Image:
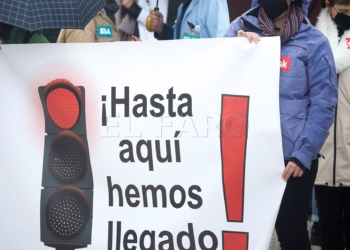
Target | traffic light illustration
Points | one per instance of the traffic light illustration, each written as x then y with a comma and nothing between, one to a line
67,195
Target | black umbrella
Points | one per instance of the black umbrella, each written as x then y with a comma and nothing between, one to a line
49,14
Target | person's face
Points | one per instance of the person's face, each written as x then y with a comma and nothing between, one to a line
340,14
339,8
279,5
285,14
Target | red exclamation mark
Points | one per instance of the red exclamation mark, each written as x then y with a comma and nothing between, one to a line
235,241
234,131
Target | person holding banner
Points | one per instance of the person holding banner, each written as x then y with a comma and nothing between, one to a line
308,96
332,186
101,28
195,19
14,35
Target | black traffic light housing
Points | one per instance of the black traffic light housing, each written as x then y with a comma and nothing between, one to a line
67,195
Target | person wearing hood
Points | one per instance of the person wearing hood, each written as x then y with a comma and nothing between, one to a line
102,28
132,16
195,19
14,35
332,186
308,96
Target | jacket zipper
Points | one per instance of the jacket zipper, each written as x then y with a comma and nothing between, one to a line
335,144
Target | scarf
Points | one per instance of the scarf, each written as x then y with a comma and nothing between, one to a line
111,8
338,44
126,24
288,29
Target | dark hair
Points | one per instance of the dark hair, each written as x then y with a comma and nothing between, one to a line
343,2
5,30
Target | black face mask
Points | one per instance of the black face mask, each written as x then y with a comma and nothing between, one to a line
274,8
342,20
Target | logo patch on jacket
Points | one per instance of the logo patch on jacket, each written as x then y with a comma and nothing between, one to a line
285,63
348,42
104,31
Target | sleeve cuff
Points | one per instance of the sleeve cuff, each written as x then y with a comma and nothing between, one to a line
304,159
166,34
297,162
134,10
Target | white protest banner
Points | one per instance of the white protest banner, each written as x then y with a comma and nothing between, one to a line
148,145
